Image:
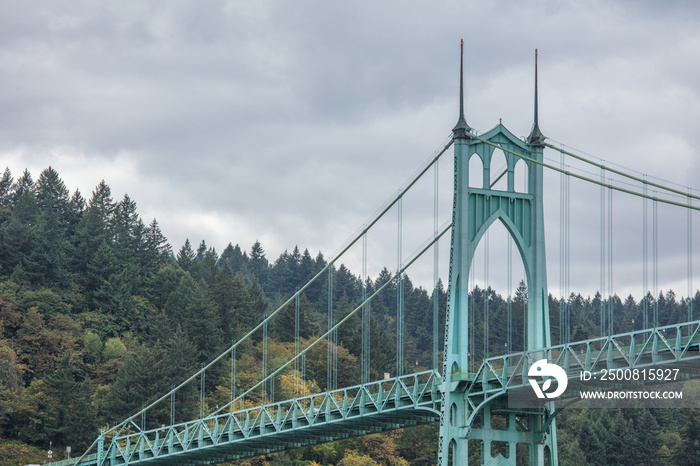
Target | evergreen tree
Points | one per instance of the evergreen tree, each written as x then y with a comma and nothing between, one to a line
128,234
48,261
630,315
621,441
157,249
181,357
233,302
52,196
258,303
593,435
201,250
75,213
235,258
186,256
100,269
5,186
299,277
188,306
646,448
346,284
77,202
142,375
284,324
94,227
257,264
23,185
205,267
18,230
518,310
279,276
687,454
71,418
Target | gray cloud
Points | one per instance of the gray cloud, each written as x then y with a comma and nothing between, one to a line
291,122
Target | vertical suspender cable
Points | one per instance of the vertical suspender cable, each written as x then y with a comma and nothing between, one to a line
562,222
645,259
329,368
610,263
303,370
368,340
364,309
296,343
567,258
334,337
655,245
509,310
233,372
567,254
486,294
399,294
201,392
436,277
602,252
526,185
264,364
690,258
365,314
233,375
472,314
271,393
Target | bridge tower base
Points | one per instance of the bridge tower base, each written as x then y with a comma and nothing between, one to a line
501,436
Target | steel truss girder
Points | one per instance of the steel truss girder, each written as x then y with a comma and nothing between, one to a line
369,408
672,346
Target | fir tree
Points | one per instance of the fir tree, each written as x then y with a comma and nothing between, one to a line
186,256
5,186
257,263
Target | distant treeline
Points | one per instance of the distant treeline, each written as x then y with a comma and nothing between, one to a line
98,314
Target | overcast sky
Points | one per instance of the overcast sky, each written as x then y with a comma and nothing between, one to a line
292,122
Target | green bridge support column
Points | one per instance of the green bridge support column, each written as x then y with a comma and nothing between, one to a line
475,209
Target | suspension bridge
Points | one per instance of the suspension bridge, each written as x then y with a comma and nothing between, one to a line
465,392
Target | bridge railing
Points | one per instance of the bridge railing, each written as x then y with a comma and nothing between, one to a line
654,347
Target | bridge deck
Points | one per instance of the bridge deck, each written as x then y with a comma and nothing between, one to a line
672,346
349,412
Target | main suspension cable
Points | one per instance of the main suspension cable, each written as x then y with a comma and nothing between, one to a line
643,180
590,180
352,313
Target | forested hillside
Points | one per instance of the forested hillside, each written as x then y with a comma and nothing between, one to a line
98,314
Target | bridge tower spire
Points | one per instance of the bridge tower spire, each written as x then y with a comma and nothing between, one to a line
475,209
461,129
536,138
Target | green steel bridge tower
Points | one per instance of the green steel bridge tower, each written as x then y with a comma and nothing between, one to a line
475,210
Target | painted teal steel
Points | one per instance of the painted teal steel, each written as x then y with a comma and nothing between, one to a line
672,346
475,210
348,412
